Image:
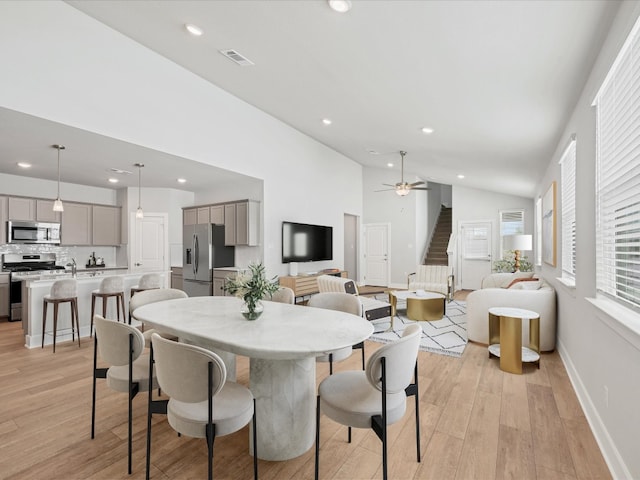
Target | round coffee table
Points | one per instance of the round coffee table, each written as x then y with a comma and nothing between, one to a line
421,305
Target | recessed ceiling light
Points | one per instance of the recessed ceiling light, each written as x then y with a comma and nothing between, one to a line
119,171
427,130
24,165
193,29
113,180
182,180
326,121
341,6
389,164
460,176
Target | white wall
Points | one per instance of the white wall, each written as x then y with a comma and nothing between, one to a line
473,205
598,350
147,100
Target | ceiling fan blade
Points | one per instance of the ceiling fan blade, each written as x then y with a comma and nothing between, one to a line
415,184
388,185
385,190
419,188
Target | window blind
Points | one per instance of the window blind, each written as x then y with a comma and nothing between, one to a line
568,195
511,223
618,177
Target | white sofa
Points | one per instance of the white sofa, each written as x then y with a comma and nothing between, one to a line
537,296
372,309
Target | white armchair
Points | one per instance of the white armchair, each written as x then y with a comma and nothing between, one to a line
372,309
433,278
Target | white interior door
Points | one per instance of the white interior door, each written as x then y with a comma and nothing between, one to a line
377,254
149,242
475,253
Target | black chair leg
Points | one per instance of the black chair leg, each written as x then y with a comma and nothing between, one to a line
317,436
331,364
255,443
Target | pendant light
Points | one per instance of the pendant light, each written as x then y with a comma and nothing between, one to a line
139,212
57,204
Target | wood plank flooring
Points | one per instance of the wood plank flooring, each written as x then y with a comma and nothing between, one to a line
477,423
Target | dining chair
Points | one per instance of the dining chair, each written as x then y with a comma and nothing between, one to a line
202,403
283,295
375,397
342,302
121,346
152,296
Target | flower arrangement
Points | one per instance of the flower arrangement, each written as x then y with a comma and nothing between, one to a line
251,286
507,264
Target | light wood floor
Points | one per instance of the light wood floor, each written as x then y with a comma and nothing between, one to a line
477,423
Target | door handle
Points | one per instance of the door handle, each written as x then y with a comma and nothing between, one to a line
197,261
138,264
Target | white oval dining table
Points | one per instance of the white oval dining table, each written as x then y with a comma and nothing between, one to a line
282,345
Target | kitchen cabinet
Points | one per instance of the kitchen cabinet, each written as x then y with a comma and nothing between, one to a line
3,219
4,294
76,224
44,211
203,215
22,208
230,224
216,214
105,225
220,276
247,223
176,277
190,216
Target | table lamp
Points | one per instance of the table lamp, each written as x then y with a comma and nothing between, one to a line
517,243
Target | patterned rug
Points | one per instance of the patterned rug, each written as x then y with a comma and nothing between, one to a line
446,337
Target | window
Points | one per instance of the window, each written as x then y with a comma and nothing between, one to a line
618,177
511,222
568,192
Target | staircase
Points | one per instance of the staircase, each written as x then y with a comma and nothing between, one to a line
437,253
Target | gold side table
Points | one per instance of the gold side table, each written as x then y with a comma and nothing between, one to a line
505,337
421,305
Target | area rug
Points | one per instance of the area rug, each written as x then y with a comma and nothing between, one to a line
447,336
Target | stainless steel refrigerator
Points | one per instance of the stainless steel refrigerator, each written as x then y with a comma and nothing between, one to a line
203,250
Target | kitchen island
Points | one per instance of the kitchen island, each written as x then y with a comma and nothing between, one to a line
34,290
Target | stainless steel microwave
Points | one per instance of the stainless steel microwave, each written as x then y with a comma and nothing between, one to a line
33,232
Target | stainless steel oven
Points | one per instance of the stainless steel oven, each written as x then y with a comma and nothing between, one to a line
22,267
33,232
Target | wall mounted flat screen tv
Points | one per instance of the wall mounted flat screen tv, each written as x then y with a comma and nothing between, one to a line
302,242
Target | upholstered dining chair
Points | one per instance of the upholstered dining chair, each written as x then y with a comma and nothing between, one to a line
283,295
152,296
202,404
342,302
375,397
121,346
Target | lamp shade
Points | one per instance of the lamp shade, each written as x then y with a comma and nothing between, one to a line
518,242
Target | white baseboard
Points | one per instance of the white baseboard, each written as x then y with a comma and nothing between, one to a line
615,462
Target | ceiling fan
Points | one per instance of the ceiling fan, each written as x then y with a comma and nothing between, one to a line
403,188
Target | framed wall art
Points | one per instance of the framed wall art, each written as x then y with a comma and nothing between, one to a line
549,226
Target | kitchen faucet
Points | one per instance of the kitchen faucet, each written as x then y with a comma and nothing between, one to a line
72,264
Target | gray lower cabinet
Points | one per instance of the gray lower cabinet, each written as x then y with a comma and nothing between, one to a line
4,294
176,278
220,276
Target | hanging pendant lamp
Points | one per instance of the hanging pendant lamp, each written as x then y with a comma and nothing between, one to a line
139,212
57,204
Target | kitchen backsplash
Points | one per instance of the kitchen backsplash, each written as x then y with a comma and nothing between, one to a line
65,254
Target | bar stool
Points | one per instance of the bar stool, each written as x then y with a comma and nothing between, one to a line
61,291
148,281
109,287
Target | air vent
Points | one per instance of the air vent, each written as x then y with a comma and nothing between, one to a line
236,57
